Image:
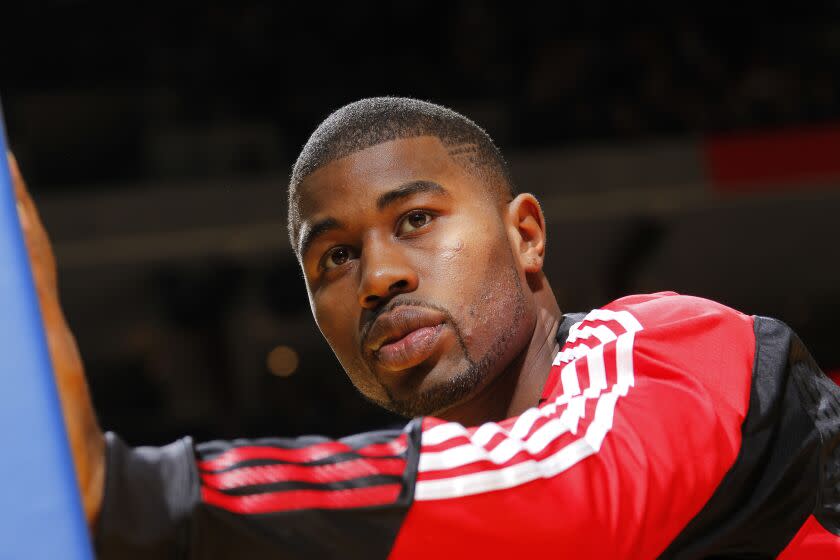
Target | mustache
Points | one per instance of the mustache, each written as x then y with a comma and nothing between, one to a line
393,304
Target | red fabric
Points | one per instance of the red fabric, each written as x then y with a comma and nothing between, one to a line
300,499
372,460
306,454
812,542
267,474
835,375
764,161
670,440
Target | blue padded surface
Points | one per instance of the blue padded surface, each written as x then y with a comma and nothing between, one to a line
41,515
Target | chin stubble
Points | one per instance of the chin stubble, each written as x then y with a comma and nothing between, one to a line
455,388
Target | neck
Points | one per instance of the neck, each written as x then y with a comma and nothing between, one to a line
520,385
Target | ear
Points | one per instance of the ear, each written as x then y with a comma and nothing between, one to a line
525,225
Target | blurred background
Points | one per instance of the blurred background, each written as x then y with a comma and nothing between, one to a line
689,150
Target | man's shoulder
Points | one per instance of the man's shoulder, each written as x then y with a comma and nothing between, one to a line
677,312
668,342
662,312
669,332
664,306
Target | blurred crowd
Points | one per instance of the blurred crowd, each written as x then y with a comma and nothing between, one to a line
534,76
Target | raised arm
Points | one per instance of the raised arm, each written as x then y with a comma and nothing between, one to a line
86,439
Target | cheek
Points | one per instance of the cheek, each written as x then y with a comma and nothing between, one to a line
472,278
337,318
464,251
452,249
488,303
446,268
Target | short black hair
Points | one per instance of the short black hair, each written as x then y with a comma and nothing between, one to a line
375,120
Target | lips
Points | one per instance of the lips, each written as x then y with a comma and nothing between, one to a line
405,336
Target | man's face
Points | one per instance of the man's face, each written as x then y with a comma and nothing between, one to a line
412,274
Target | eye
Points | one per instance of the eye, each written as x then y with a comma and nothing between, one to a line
413,221
337,256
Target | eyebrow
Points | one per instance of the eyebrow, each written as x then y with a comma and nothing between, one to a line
407,190
319,228
316,230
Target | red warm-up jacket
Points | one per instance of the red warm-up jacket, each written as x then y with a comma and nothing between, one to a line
669,426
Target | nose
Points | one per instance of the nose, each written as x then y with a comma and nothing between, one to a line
385,272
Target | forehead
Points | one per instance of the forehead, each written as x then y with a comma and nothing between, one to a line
362,176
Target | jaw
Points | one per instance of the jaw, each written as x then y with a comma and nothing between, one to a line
519,385
482,389
430,388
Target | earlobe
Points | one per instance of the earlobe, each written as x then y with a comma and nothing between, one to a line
526,227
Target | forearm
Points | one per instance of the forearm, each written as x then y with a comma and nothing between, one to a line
84,434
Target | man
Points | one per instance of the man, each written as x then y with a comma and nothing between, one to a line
658,425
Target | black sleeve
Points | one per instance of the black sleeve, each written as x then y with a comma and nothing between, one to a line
150,494
307,498
788,467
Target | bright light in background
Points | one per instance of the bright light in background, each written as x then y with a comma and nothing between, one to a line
282,361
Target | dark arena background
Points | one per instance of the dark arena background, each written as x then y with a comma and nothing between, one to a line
687,150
